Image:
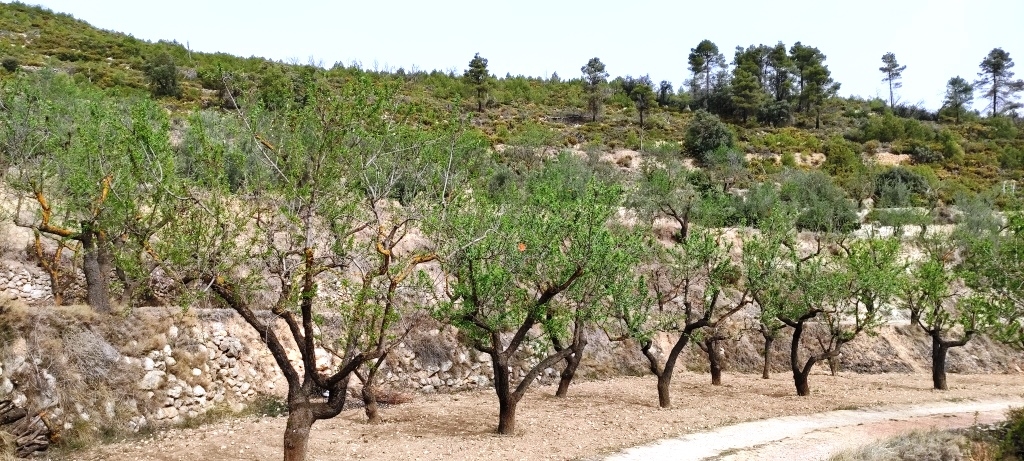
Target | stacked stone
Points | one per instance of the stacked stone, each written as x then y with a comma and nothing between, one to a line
18,282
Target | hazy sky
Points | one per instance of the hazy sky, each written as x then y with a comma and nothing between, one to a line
935,39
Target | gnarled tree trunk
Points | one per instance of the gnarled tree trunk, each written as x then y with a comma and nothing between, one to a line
96,265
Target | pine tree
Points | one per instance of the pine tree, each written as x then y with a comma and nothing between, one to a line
594,78
959,95
893,73
996,76
479,78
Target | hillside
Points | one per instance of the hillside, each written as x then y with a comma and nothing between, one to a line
198,231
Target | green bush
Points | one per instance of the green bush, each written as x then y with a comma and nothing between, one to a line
899,187
840,156
705,134
884,128
1012,443
823,205
10,64
162,74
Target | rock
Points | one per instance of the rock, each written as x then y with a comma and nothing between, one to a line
167,413
198,391
6,387
169,361
174,392
196,372
167,350
428,389
446,365
153,380
245,388
172,332
148,364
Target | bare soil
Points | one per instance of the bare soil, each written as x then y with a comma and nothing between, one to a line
599,418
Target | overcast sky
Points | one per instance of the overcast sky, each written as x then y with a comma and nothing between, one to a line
935,39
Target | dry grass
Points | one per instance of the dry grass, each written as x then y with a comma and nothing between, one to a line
915,446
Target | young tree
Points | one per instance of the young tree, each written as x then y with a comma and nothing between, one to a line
998,78
643,98
478,77
665,93
705,134
893,73
704,60
942,311
594,78
595,299
692,286
508,257
959,96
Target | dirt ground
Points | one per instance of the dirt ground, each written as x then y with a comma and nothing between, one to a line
599,418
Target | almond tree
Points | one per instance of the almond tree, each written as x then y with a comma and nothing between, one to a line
102,175
507,258
311,206
691,287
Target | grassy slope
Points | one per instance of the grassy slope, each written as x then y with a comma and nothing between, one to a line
520,111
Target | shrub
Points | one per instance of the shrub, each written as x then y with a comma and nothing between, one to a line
775,113
884,128
1000,128
840,156
705,134
899,187
10,64
823,205
162,74
1013,441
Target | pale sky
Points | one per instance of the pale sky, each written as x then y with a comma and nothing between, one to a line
936,39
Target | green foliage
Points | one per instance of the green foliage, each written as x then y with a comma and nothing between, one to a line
594,79
900,218
900,187
958,98
10,64
785,140
998,78
705,134
889,128
478,78
162,74
841,156
1012,443
1000,128
822,205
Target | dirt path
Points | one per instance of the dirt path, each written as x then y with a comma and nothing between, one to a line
815,437
598,419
